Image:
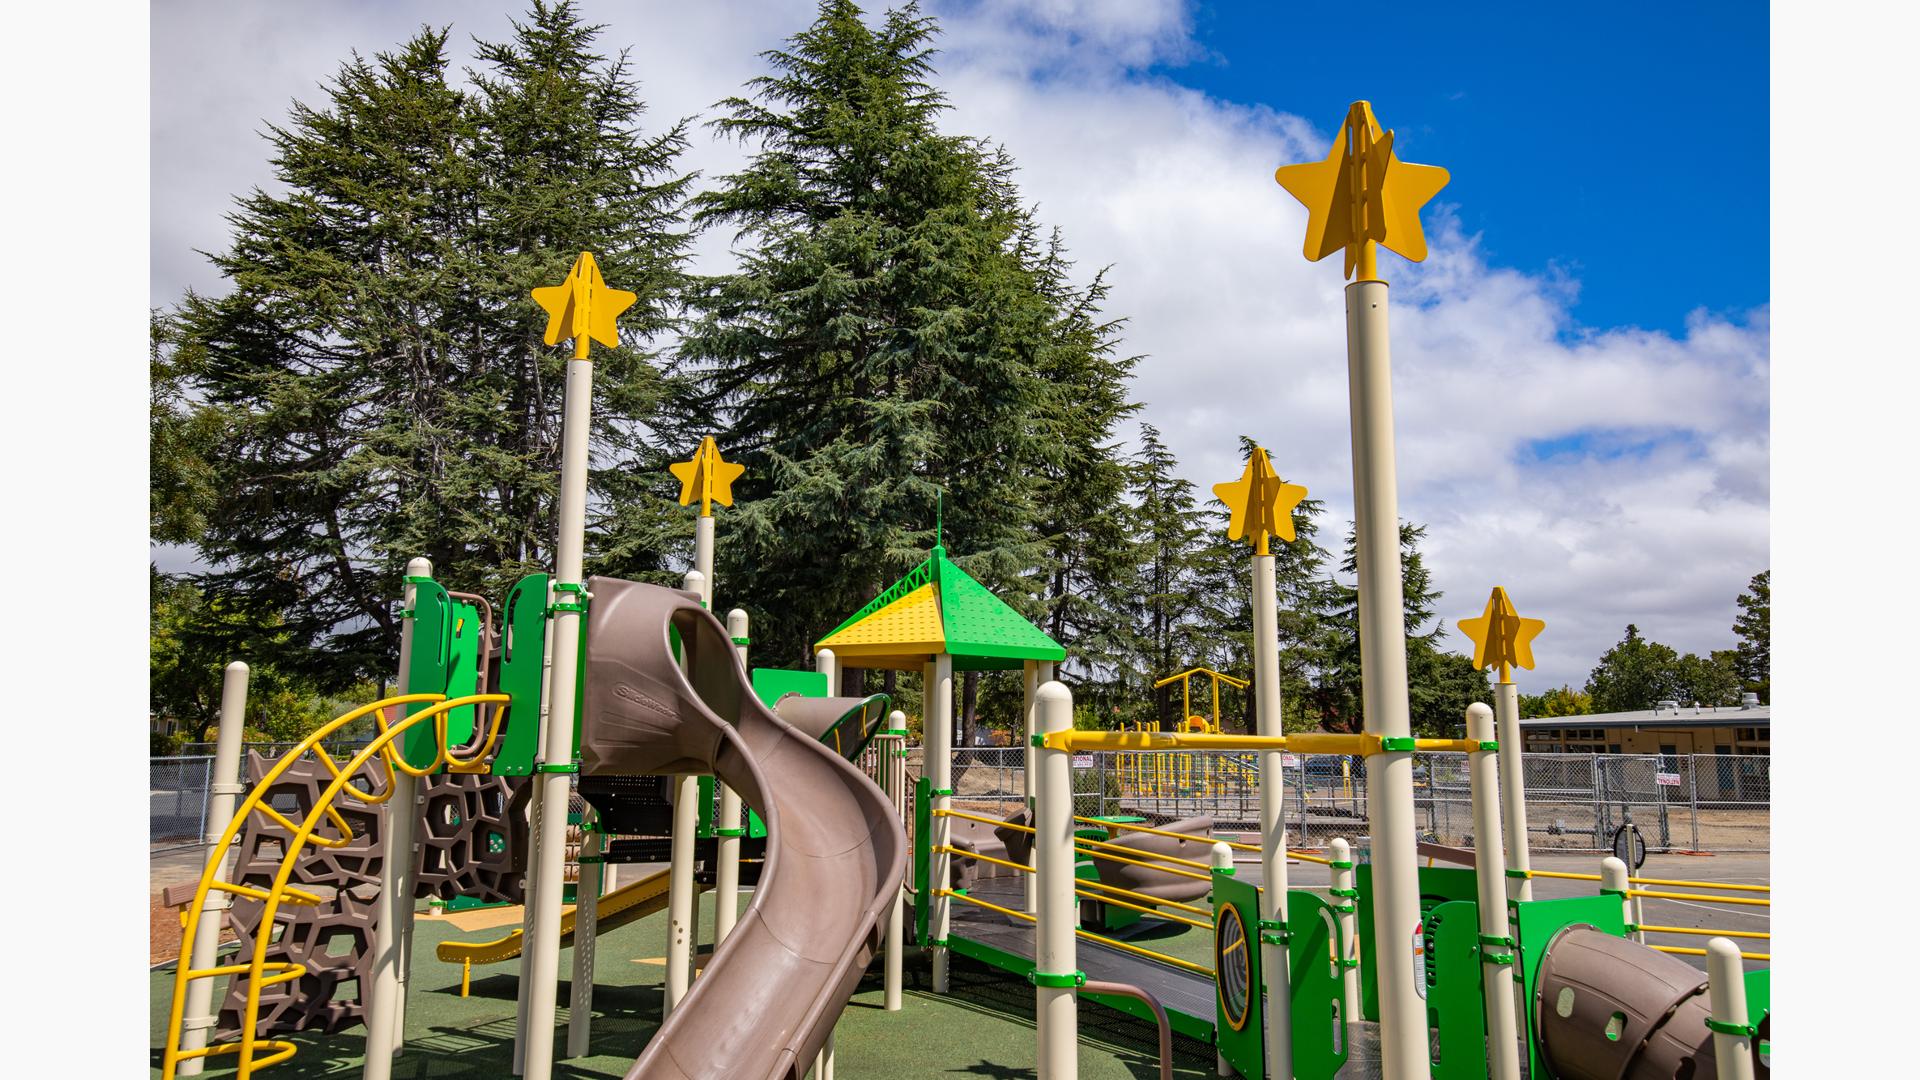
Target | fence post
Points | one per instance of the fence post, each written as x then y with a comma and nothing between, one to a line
1693,796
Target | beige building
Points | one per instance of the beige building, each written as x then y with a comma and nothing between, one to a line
1669,729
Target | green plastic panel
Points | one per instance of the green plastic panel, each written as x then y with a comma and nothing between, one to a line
710,807
522,678
1244,1046
1438,884
772,684
979,625
427,667
922,857
1535,922
1319,1031
1455,992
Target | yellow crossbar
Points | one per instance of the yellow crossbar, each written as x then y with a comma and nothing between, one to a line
1654,881
1305,742
1699,897
983,820
1702,932
1148,865
1097,884
1685,951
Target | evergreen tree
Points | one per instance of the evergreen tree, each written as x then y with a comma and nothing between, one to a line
1635,674
1710,680
888,338
1752,656
377,364
1433,682
1170,601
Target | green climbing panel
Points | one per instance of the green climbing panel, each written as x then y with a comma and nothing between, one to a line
444,659
1438,884
1313,965
1535,922
522,675
1454,990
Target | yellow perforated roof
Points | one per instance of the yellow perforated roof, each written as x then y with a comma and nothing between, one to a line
909,625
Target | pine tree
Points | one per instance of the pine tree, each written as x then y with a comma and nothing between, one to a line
1170,601
377,363
1753,658
884,343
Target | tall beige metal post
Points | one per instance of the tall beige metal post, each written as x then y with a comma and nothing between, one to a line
1727,1001
584,309
1360,198
726,876
826,663
586,928
1261,508
1513,790
1340,856
1056,971
681,913
1613,882
396,883
1030,684
938,740
893,765
1496,939
223,789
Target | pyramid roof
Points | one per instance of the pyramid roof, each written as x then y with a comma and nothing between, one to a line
938,607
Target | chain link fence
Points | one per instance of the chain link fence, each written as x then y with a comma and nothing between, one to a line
1575,802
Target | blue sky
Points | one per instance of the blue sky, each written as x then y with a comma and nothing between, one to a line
1624,144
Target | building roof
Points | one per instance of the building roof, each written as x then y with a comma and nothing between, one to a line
1686,716
939,608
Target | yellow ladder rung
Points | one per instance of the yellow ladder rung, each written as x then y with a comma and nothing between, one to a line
290,893
284,971
282,1051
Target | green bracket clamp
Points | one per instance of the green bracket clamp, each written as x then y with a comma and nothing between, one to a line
1622,893
937,943
591,860
1065,980
1340,864
1350,962
574,587
729,832
1273,932
742,641
415,579
1344,909
1039,741
1490,941
939,791
1398,743
1223,871
1521,874
900,731
545,767
1489,744
1350,894
1745,1031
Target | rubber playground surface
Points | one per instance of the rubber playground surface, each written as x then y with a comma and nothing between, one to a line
984,1028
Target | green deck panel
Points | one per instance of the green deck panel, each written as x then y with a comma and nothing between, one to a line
772,684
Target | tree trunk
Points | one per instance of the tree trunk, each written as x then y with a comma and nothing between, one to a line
969,705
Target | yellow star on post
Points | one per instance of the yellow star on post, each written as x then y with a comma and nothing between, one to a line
1362,195
706,477
1261,503
1501,637
583,307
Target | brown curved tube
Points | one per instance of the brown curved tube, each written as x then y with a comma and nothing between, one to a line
1094,986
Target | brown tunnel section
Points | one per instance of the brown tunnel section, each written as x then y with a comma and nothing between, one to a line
835,856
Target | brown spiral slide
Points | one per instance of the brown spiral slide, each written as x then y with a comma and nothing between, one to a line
768,998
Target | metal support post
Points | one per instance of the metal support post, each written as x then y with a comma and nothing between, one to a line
1613,882
586,927
1273,831
223,790
1340,854
893,758
939,770
1727,1001
1497,951
1056,967
555,766
396,883
1030,684
1513,790
680,895
726,874
529,910
1221,857
1383,668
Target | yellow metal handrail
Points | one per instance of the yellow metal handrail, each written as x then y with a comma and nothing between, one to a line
1078,891
1699,897
1685,951
257,968
1650,881
1306,742
1121,945
1703,932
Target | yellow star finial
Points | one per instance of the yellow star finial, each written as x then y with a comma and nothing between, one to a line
706,477
1363,195
583,307
1262,504
1501,637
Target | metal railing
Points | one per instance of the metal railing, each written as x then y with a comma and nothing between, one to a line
1575,802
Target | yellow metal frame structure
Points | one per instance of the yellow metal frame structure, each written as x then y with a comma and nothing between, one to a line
259,971
1305,742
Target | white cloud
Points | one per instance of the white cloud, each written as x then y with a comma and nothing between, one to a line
1604,476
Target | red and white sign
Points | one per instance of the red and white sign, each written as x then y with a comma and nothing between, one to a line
1667,779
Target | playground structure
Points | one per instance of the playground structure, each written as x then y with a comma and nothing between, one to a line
645,699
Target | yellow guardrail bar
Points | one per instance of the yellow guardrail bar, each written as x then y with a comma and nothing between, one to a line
1685,951
1305,742
1654,881
1121,945
258,966
1080,892
1702,932
1192,671
1699,897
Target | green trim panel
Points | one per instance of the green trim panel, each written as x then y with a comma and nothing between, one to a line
523,653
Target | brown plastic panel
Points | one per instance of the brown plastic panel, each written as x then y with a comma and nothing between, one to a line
836,852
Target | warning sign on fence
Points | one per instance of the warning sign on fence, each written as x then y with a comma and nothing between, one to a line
1083,761
1667,779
